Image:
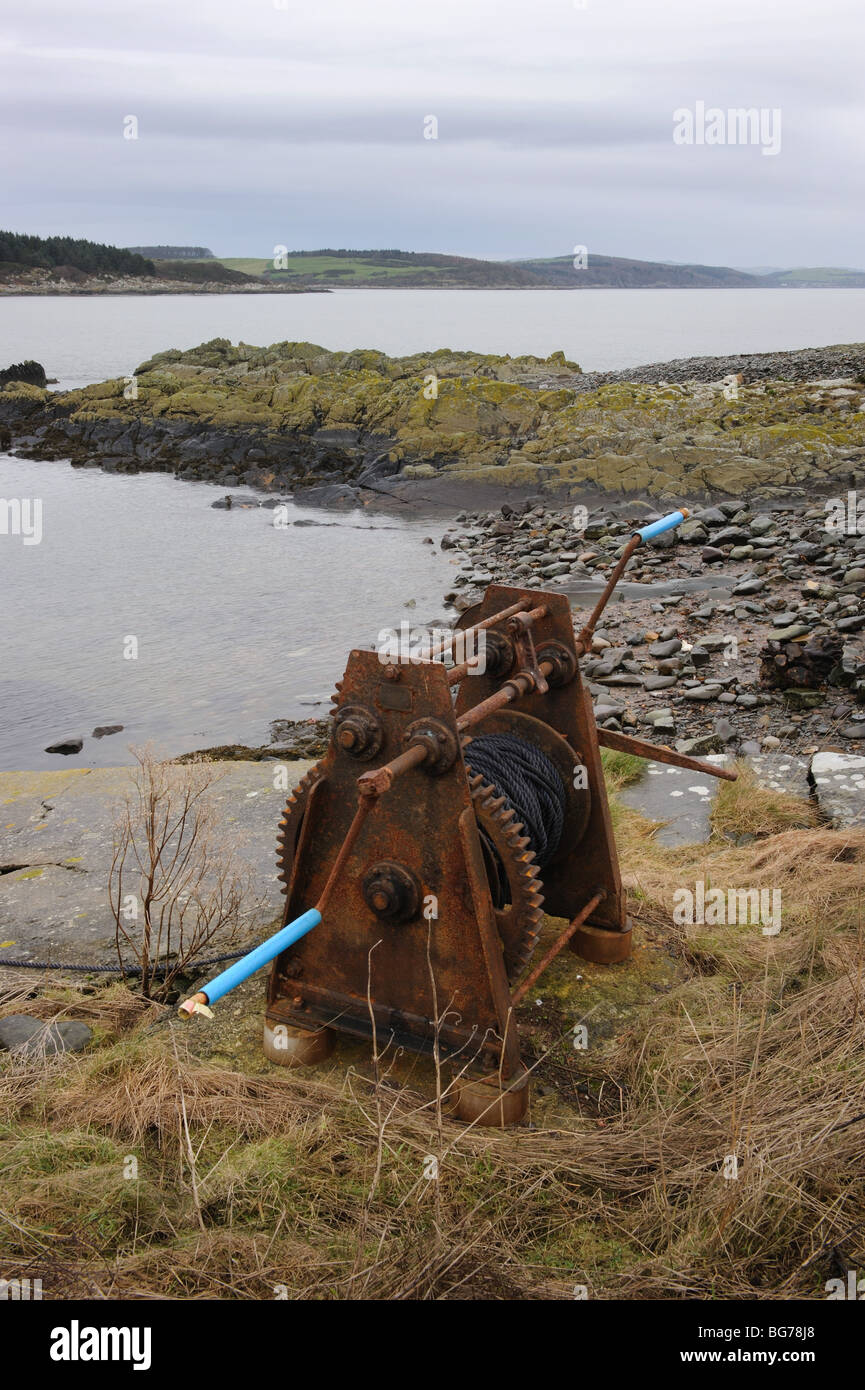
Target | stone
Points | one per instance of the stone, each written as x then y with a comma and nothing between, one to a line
779,772
607,711
803,699
838,780
105,730
662,649
702,693
732,535
698,747
40,1037
66,746
653,715
725,731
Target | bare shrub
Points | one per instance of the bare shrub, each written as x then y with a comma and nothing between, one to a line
173,890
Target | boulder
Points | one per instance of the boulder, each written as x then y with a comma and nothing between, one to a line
30,372
66,746
838,780
35,1037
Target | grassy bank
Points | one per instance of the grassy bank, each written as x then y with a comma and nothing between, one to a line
254,1183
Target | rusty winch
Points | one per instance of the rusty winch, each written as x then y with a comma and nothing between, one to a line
453,806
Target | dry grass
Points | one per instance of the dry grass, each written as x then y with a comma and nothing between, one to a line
744,807
291,1186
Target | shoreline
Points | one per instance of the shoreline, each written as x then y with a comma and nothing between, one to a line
217,287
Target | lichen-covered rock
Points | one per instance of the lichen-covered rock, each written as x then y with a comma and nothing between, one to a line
302,413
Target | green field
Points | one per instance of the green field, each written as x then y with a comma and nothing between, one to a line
326,268
831,276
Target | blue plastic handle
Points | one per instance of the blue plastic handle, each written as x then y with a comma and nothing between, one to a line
665,524
260,955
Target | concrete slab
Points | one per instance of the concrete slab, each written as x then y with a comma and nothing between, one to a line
839,783
681,799
684,800
56,837
782,772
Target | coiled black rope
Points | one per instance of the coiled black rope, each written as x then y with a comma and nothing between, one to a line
530,783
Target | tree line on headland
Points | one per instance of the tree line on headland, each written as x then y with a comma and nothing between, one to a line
91,257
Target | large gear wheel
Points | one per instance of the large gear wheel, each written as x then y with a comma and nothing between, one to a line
512,874
288,834
510,863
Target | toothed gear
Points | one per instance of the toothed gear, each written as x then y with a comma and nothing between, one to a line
512,873
292,820
510,862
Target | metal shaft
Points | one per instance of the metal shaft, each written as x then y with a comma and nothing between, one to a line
478,627
558,945
638,746
364,806
379,780
584,640
456,673
513,689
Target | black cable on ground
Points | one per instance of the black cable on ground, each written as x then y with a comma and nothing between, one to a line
530,783
192,968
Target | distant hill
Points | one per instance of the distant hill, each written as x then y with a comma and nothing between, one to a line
334,268
818,277
66,259
18,252
172,253
616,272
330,268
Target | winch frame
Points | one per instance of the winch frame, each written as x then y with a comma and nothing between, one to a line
439,981
390,929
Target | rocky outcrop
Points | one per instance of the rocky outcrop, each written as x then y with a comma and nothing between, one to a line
273,417
30,372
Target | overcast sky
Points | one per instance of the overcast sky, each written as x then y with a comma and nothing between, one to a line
301,123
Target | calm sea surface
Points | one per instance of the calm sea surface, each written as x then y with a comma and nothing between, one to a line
238,622
83,340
